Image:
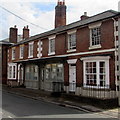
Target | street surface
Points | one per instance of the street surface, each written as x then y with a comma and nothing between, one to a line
15,106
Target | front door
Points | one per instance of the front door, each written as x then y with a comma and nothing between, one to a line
72,77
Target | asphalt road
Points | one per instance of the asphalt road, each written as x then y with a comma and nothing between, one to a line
15,106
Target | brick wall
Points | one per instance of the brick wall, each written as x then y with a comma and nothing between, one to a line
4,64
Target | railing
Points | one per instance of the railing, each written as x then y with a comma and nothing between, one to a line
103,92
93,91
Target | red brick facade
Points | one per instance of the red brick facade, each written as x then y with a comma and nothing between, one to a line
62,55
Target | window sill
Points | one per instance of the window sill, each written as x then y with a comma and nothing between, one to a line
95,47
72,50
13,58
95,87
12,78
30,56
53,53
21,58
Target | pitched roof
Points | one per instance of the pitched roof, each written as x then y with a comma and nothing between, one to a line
95,18
5,41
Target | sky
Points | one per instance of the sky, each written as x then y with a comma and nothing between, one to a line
39,14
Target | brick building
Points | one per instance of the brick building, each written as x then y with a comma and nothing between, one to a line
4,44
79,58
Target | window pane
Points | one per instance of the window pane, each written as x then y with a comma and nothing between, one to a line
21,51
13,71
10,71
52,45
30,50
95,33
72,41
102,73
91,75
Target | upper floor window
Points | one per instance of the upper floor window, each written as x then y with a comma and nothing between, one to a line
13,53
52,45
71,40
95,36
12,71
30,52
21,51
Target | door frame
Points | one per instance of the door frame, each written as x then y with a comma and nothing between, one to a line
72,62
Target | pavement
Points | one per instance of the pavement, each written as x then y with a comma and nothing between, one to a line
46,96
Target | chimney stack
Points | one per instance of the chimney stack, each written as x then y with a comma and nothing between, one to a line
83,17
13,34
25,32
60,14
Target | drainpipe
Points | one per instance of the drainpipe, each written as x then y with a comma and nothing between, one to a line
116,51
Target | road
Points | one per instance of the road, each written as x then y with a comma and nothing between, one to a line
15,106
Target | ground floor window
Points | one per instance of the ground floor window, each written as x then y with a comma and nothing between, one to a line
96,71
53,77
31,72
12,67
54,72
31,76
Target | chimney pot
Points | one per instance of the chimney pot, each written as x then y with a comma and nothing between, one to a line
83,17
85,13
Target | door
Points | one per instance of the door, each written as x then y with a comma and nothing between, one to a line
42,75
31,76
20,74
72,77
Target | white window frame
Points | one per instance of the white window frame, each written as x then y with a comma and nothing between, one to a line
13,53
93,26
97,60
21,51
71,48
13,73
30,52
51,38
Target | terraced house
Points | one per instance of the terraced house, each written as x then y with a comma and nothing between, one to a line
79,58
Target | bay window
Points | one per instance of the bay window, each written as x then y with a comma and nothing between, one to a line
96,71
